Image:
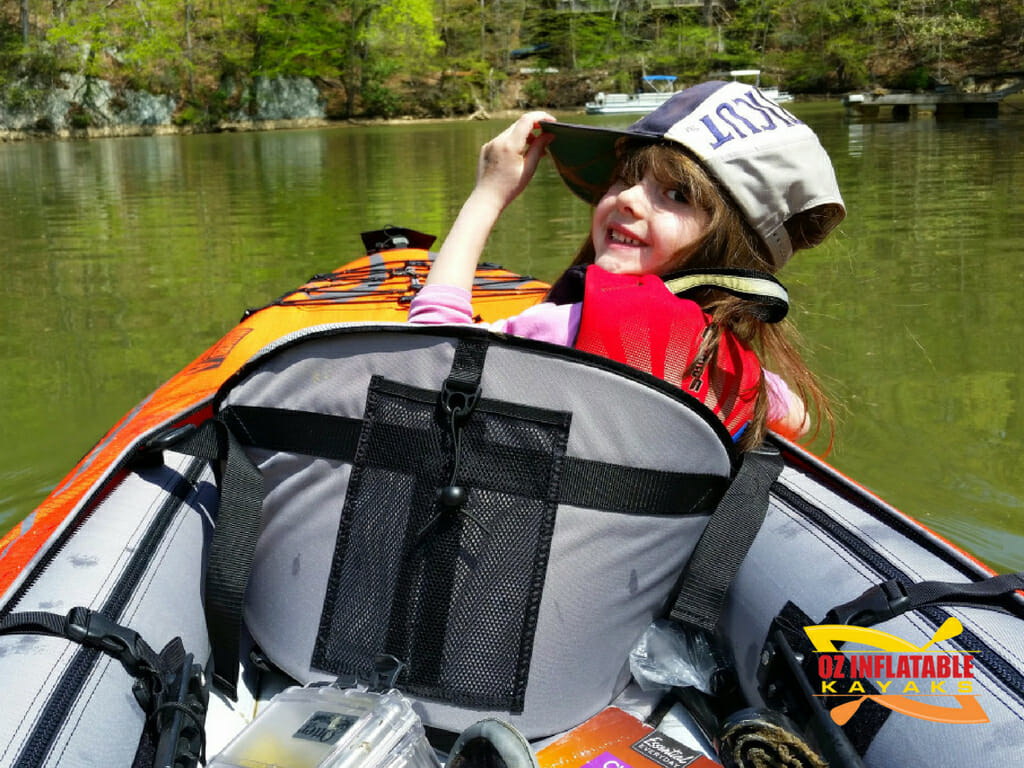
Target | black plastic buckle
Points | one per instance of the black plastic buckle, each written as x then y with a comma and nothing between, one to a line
150,454
383,676
408,271
877,604
459,400
94,630
386,669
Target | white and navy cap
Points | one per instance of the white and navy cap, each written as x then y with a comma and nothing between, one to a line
769,161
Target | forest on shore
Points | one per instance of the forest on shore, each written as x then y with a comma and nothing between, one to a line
423,58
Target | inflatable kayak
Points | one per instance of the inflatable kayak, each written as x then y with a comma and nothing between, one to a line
462,521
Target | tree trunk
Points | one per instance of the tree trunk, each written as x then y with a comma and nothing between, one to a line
483,28
24,22
189,18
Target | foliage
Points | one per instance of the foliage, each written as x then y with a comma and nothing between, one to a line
916,79
682,49
935,31
189,115
536,93
386,57
379,100
78,117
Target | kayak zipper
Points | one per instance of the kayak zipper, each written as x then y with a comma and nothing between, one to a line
63,697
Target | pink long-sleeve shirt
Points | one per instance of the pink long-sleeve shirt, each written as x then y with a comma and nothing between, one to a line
557,324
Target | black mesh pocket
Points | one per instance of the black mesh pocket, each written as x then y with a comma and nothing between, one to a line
453,593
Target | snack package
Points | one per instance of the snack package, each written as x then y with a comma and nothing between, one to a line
615,739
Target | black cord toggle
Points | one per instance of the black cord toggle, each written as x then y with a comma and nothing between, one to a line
458,400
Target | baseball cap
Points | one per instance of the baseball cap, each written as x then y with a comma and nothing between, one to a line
770,162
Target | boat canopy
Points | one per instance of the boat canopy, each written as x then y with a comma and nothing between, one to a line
529,50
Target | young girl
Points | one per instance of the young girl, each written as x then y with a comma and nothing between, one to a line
718,181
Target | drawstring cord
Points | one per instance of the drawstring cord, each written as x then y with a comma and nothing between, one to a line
458,406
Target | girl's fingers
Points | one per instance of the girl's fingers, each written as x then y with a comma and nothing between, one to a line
521,132
534,153
537,146
508,161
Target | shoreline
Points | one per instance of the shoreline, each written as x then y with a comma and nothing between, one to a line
1013,104
248,126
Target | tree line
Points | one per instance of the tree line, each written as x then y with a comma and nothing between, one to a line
423,57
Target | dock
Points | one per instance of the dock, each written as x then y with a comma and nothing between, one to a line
940,103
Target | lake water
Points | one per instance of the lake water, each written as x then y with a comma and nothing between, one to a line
123,259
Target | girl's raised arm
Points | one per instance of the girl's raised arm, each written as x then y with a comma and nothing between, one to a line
507,163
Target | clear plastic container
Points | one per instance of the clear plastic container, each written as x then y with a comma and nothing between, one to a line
323,726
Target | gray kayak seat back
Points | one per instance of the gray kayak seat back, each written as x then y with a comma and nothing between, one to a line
504,517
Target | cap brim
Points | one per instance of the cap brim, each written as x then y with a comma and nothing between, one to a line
584,157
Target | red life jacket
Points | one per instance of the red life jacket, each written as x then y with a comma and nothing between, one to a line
637,320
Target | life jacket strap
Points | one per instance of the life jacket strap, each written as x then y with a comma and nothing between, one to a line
768,297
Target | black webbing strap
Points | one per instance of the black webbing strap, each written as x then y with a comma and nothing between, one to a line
725,541
467,365
234,540
92,630
34,623
614,488
585,483
279,429
883,601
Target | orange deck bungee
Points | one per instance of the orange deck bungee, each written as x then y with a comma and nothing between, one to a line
374,288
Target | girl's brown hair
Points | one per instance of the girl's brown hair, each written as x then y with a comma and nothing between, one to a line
730,242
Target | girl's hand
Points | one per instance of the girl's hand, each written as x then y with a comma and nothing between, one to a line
508,161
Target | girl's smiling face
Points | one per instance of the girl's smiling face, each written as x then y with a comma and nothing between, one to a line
638,229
